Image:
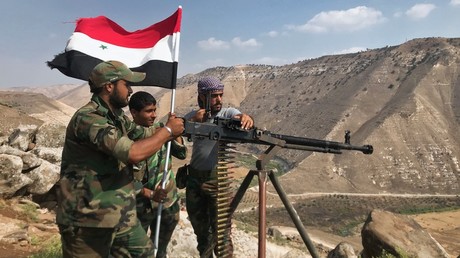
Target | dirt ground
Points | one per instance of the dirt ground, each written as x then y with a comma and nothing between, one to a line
332,219
443,226
14,118
30,233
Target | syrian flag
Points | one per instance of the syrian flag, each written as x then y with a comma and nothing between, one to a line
153,50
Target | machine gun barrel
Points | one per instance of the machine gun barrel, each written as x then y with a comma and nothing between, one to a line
324,144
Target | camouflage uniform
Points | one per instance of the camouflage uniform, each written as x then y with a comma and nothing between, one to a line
150,176
201,205
96,196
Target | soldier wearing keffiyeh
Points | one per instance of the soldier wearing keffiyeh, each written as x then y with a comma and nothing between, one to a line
201,184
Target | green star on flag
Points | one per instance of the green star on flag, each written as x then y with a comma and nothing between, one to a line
103,47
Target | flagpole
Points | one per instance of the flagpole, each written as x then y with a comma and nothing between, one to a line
176,40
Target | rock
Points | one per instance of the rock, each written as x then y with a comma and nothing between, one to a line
29,160
3,140
294,253
50,154
24,170
44,177
22,137
388,233
342,250
282,232
50,135
11,177
17,236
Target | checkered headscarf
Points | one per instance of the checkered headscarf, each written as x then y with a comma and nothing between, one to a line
209,84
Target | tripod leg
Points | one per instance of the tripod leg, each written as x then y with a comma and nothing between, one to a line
295,218
242,190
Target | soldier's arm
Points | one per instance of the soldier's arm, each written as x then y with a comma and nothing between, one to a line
144,148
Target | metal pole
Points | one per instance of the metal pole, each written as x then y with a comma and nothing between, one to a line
295,218
175,59
165,172
262,210
163,183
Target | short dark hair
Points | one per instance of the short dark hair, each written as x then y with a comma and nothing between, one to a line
93,89
141,99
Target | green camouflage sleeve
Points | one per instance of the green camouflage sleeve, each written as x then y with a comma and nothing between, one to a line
106,137
179,150
100,132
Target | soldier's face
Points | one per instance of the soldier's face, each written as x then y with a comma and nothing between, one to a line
145,117
215,101
120,95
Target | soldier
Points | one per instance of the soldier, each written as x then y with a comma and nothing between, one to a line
142,106
96,214
201,183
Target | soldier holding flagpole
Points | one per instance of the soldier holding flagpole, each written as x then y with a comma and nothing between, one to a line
94,41
96,214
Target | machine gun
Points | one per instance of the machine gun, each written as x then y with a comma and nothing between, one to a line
229,131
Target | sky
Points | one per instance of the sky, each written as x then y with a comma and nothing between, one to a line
220,32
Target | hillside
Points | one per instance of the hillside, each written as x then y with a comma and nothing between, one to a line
401,99
27,108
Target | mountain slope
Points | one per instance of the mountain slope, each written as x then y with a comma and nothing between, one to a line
401,99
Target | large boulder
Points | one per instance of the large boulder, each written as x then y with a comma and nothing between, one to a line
50,135
44,177
387,233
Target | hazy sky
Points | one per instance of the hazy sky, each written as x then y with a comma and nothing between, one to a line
220,32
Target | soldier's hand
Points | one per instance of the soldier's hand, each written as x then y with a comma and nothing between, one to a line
246,121
176,124
200,116
210,187
158,195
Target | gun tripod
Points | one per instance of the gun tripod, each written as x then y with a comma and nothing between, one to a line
229,130
262,175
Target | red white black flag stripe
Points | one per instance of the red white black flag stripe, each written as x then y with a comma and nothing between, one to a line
153,50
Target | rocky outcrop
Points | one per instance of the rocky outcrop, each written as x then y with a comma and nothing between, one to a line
387,233
25,167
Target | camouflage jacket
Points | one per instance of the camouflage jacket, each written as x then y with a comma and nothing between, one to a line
96,186
150,176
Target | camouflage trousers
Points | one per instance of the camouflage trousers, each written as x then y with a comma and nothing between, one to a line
202,212
169,220
105,242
